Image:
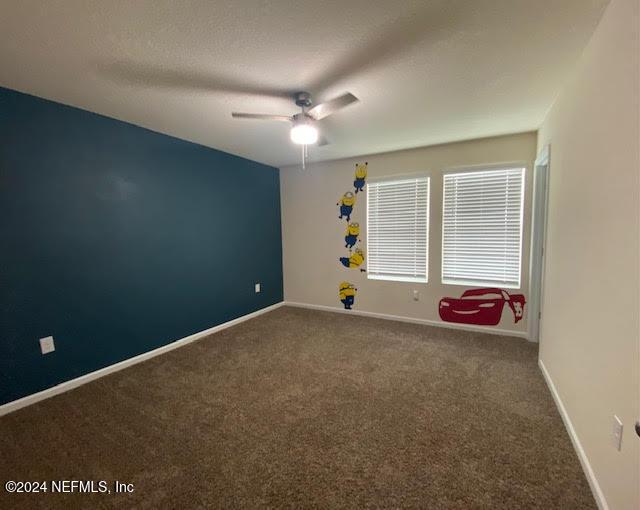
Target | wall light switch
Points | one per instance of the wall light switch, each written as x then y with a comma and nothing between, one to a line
257,288
416,295
616,436
47,345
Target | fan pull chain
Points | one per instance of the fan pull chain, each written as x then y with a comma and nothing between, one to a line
305,155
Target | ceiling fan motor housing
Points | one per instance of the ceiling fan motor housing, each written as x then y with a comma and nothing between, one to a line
303,99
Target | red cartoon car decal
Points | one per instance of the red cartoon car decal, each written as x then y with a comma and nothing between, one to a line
482,307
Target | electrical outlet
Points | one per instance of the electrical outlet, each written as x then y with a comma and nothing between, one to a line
416,295
257,288
47,345
616,436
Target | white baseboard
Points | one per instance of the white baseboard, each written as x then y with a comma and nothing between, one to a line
9,407
439,324
584,460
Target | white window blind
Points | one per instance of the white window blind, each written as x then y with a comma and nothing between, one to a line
482,227
397,229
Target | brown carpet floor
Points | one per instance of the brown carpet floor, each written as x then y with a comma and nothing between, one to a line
305,409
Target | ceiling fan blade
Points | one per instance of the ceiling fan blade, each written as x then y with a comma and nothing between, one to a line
261,116
184,79
322,141
322,110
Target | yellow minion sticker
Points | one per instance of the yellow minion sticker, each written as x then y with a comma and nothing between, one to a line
361,176
354,261
351,235
347,294
346,204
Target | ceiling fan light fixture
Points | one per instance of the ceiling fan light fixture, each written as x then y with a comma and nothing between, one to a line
304,134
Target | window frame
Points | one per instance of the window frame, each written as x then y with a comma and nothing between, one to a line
401,177
523,196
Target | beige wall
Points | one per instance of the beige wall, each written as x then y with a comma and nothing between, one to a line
590,336
313,236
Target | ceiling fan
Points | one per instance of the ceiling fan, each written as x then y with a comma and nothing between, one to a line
303,130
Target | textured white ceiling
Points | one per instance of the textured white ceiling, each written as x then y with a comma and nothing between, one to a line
426,71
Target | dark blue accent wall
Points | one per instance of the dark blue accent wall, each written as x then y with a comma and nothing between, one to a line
117,240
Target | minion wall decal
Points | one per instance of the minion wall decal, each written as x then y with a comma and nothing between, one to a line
347,294
351,235
361,176
354,260
346,204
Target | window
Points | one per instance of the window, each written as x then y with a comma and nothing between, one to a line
397,229
482,227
